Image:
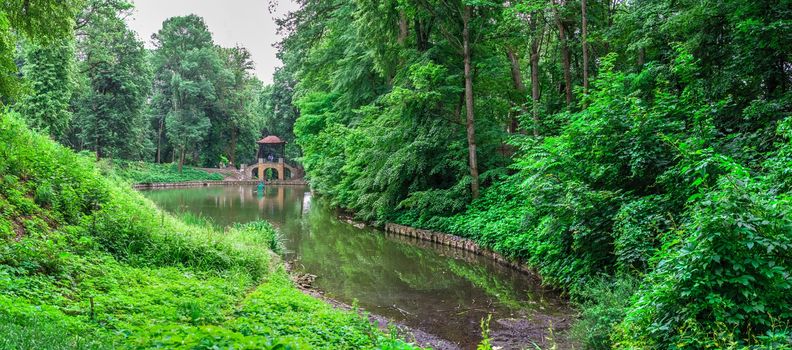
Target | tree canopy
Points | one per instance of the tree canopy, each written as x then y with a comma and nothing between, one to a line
618,141
636,154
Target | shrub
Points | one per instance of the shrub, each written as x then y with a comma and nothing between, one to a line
725,272
603,303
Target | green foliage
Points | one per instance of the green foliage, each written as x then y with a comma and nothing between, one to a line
45,22
603,302
638,227
48,70
727,264
672,168
142,172
110,102
278,111
26,327
204,96
486,342
87,255
629,179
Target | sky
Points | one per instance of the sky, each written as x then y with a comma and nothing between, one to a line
248,23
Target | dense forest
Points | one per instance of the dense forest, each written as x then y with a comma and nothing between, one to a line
636,154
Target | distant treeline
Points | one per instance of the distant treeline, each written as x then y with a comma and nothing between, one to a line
186,101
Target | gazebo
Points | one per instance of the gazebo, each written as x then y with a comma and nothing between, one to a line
272,155
271,149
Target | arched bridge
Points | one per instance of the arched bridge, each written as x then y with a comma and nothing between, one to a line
282,170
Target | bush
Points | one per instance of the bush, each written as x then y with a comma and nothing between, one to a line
603,303
723,279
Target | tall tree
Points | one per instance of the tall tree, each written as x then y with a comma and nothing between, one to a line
110,109
584,43
41,22
469,105
185,63
536,37
234,110
278,109
565,54
48,69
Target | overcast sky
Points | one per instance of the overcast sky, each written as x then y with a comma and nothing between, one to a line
245,22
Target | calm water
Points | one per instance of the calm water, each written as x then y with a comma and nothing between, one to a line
437,289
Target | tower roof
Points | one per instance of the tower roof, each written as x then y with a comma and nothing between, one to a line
270,140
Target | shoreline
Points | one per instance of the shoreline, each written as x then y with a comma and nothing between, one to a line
208,183
410,334
458,242
441,238
518,330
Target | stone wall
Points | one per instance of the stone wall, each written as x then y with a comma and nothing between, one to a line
456,242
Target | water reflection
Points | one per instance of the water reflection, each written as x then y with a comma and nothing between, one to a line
438,289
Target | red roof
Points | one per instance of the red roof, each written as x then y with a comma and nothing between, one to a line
270,140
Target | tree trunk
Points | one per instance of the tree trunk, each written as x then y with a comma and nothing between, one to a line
458,108
518,85
565,56
641,57
535,72
421,35
232,151
585,47
98,149
159,140
402,27
471,128
181,159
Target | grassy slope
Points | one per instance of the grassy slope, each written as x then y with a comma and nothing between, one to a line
142,172
69,235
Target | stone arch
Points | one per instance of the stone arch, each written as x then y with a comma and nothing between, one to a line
267,173
270,173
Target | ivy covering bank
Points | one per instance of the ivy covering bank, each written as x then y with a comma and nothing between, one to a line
88,263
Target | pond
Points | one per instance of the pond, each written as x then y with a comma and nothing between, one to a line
439,290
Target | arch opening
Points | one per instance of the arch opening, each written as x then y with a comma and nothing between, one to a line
270,174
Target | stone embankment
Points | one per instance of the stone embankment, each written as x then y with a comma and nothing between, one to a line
456,242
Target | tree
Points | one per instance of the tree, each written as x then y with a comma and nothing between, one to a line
565,54
584,38
40,22
278,110
186,63
233,114
48,70
470,120
110,108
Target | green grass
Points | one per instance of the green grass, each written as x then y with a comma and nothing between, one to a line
143,172
70,238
